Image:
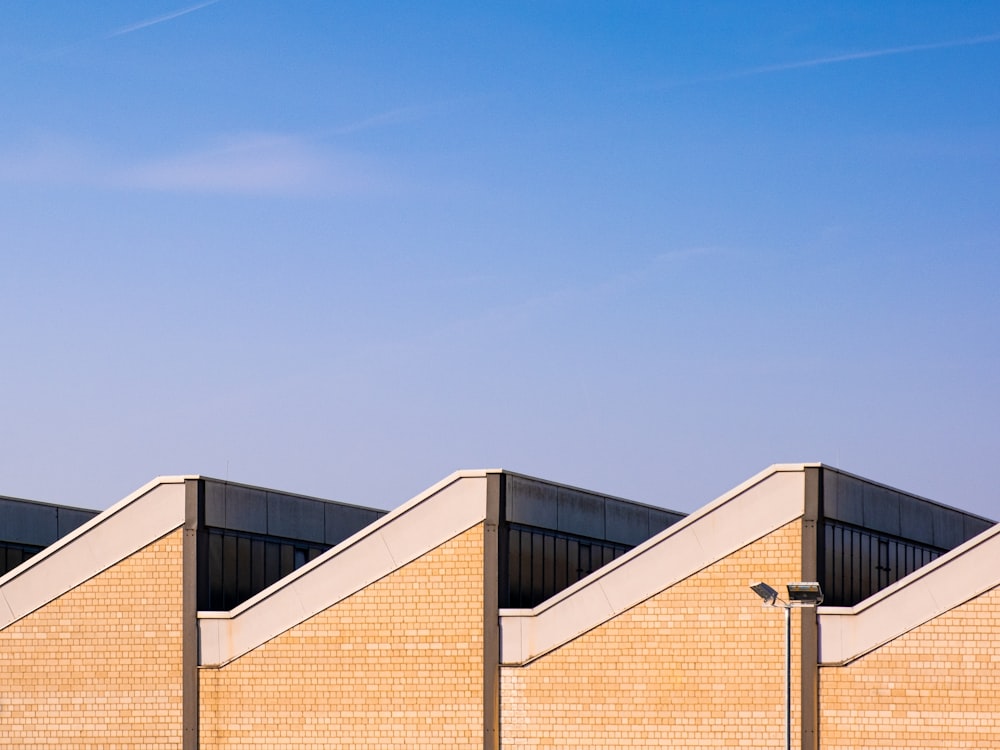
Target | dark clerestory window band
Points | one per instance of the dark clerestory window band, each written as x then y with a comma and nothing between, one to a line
240,565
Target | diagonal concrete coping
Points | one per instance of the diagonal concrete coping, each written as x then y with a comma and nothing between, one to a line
126,527
762,504
450,507
847,633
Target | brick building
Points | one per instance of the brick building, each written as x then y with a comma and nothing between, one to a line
497,610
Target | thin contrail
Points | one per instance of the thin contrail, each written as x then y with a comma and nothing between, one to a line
972,41
158,19
847,57
54,53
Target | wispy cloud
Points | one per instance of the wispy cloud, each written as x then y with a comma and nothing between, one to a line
842,58
240,164
247,164
159,19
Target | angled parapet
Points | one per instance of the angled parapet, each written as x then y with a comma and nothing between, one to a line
447,509
847,633
759,506
106,539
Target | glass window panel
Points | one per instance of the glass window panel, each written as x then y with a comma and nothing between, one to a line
586,566
866,564
829,569
215,598
609,555
537,568
513,569
561,564
258,579
287,559
230,568
548,566
524,577
573,569
272,562
244,587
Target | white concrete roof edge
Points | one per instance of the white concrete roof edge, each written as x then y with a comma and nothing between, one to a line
385,545
368,530
582,607
6,613
909,603
903,583
661,537
103,517
102,542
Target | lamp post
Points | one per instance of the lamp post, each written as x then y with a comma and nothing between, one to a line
805,594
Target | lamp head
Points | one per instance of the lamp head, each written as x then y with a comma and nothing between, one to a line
805,594
765,592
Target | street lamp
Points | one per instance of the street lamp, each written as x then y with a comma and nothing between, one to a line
805,594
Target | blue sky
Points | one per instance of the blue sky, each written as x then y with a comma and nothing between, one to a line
344,249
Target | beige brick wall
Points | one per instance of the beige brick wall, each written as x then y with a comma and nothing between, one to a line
936,686
398,664
100,667
699,665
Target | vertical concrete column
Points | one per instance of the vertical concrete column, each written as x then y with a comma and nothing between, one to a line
194,493
491,612
808,632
